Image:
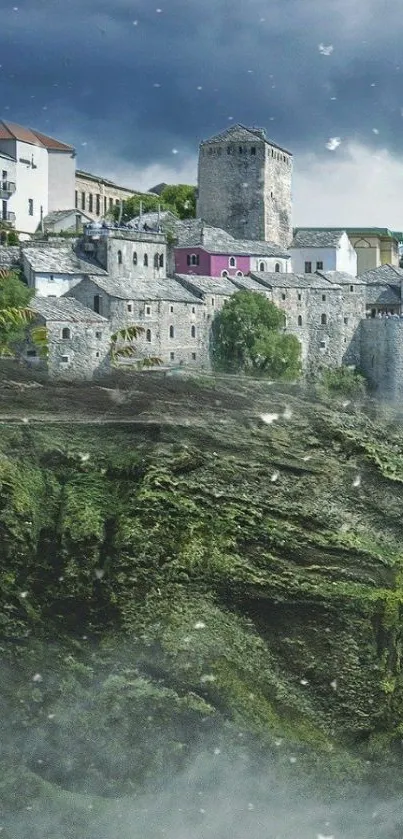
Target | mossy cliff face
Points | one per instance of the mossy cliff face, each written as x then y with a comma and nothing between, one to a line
198,576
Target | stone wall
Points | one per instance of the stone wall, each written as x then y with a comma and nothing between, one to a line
382,355
277,197
133,247
83,356
96,197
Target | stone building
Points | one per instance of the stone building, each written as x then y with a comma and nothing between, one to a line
354,302
381,358
173,319
127,253
51,269
78,340
209,251
97,196
64,221
374,246
244,185
322,250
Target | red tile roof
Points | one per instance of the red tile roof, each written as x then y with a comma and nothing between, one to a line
12,131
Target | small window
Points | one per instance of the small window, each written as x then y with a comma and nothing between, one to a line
148,310
111,204
277,267
145,260
98,304
319,266
66,334
322,345
98,205
308,268
240,149
171,308
283,296
76,199
148,335
31,353
161,260
193,310
224,273
65,359
213,301
229,149
351,288
188,259
98,335
346,321
193,331
262,266
172,356
135,258
120,257
299,296
232,262
299,320
323,320
30,206
253,150
90,203
130,307
323,298
156,260
51,278
83,200
195,259
97,354
171,332
193,356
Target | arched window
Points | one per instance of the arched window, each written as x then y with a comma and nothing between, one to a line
224,273
262,266
66,333
323,320
120,258
239,274
232,262
193,331
148,335
145,260
299,320
161,260
156,261
171,332
135,258
194,259
277,267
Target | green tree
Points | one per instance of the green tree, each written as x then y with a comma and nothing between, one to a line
131,207
248,337
16,316
180,199
12,238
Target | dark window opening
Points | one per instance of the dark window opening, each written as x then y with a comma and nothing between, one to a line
319,266
135,258
98,304
145,260
253,150
120,257
299,320
193,332
161,260
171,332
308,267
323,320
148,335
66,334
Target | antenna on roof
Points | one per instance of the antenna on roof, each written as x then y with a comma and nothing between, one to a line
120,212
42,224
141,212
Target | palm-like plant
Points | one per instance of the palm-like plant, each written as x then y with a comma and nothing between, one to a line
122,346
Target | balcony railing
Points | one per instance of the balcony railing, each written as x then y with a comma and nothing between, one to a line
7,218
7,188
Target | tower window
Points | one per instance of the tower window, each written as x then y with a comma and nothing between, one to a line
283,296
299,296
299,320
193,356
345,321
30,206
120,258
130,307
148,310
323,297
171,332
351,288
135,258
193,332
213,301
145,260
148,335
323,319
240,149
156,260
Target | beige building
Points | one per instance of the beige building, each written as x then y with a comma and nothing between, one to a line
374,246
97,196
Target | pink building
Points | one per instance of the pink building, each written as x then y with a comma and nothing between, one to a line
211,252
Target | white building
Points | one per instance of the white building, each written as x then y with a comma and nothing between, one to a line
37,176
53,270
322,250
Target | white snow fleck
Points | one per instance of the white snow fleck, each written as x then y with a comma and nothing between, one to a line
269,418
307,457
23,594
346,403
135,23
333,684
217,751
304,682
99,573
321,836
174,151
199,87
84,457
287,413
37,678
357,481
326,50
208,678
375,130
250,806
333,143
293,759
278,741
274,477
156,84
200,625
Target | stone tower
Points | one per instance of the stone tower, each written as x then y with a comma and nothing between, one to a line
244,185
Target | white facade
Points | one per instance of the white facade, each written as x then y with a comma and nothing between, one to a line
270,264
31,187
61,177
53,285
342,257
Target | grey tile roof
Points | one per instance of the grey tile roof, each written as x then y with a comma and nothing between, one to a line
145,289
249,284
60,260
220,286
306,281
316,238
59,215
9,256
384,273
341,277
240,133
381,293
65,308
216,240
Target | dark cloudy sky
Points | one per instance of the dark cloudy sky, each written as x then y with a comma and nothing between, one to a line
136,84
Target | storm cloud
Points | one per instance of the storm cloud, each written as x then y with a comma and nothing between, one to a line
136,84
